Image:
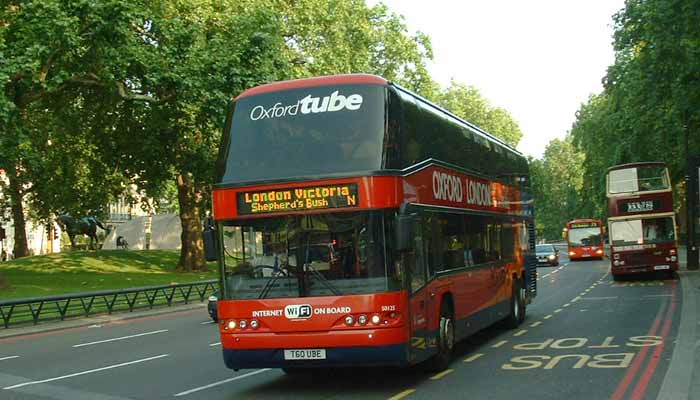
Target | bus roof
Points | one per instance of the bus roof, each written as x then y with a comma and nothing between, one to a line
347,79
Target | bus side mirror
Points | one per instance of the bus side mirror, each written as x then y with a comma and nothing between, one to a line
211,244
404,233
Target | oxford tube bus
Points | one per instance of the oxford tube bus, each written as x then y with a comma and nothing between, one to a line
360,225
641,220
584,239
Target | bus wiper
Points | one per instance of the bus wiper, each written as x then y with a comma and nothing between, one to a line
268,286
323,279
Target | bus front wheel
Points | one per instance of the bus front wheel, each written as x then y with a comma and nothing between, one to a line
446,340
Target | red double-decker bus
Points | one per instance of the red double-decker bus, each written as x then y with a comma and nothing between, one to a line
641,221
359,224
584,239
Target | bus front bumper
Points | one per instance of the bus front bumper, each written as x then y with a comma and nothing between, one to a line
638,269
363,347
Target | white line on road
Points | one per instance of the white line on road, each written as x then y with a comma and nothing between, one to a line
85,372
215,344
206,322
599,298
211,385
8,358
120,338
658,295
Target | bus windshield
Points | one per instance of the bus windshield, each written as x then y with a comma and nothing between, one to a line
638,179
305,132
307,255
642,231
590,236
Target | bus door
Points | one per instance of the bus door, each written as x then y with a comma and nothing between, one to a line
415,263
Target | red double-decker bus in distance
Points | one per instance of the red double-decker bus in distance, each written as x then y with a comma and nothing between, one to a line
584,239
641,221
360,225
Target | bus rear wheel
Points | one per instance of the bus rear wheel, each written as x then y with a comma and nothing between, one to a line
517,305
446,340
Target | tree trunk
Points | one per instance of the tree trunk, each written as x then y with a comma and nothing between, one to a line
16,196
192,252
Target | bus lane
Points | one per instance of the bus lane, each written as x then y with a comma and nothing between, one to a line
605,340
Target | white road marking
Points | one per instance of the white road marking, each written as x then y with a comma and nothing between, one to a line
206,322
211,385
8,358
499,344
599,298
85,372
120,338
474,357
215,344
521,332
658,295
534,324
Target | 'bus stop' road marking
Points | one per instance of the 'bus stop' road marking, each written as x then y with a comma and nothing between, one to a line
85,372
211,385
120,338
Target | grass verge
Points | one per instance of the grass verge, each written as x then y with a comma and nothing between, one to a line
87,271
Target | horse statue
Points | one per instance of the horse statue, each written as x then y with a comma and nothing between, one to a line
83,226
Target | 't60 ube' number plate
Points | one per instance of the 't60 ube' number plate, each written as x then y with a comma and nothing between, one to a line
305,354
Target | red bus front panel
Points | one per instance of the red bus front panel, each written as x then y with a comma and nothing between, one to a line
344,330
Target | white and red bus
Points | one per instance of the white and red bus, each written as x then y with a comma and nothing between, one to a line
641,220
359,224
584,239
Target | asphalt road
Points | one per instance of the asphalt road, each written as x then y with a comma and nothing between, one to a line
585,337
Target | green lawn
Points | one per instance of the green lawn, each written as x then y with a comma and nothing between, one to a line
87,271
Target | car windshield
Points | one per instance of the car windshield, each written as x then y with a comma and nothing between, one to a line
544,248
310,255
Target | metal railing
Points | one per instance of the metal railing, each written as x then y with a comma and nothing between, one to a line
60,307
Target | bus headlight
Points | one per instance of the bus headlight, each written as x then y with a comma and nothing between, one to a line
231,324
243,324
254,324
674,258
349,320
375,319
616,263
599,251
571,253
362,319
672,252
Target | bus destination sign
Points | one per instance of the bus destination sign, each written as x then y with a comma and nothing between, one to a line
298,199
583,225
633,207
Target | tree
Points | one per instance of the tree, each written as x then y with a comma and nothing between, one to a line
51,48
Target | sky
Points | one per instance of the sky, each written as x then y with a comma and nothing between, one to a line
538,59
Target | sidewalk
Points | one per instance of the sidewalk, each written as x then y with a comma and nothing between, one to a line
682,379
102,319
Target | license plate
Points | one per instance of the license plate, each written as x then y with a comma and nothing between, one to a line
586,255
660,267
305,354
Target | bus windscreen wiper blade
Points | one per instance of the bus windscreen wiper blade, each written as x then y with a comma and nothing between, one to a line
268,286
323,279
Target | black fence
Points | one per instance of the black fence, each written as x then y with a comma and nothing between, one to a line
34,309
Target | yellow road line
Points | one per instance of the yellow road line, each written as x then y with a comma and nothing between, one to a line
499,344
472,358
402,394
521,332
534,324
441,374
